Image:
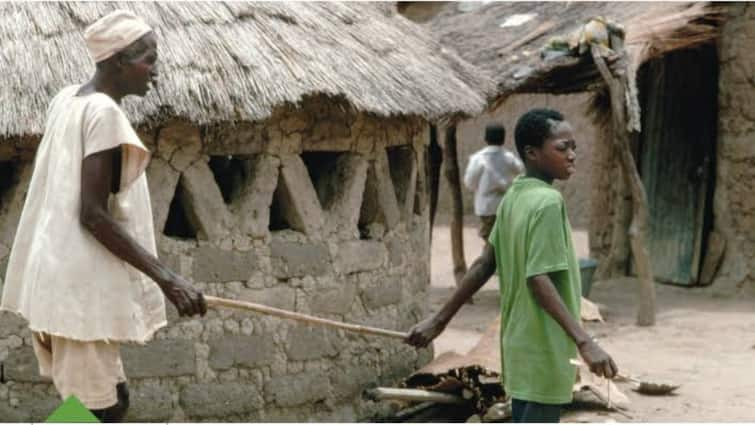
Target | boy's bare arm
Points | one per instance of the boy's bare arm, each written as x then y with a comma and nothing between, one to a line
96,185
479,273
549,299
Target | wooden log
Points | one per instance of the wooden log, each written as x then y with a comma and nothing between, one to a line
610,210
411,394
314,320
451,166
713,257
618,260
640,216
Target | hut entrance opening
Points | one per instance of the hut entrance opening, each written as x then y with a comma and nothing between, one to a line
677,150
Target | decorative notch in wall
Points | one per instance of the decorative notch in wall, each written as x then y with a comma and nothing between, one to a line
178,223
7,180
338,179
197,209
322,170
295,204
380,209
403,166
231,174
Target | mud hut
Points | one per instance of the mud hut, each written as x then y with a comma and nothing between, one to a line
691,66
288,169
483,33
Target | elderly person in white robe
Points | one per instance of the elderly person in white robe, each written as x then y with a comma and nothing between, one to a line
83,268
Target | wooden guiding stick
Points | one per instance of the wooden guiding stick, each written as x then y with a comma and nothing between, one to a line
272,311
412,394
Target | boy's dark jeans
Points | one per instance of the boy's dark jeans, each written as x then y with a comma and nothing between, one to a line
530,411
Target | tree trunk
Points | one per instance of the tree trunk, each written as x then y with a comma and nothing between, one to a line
638,229
610,209
435,160
618,260
451,165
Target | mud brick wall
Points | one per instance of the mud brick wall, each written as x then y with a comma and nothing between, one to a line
734,199
320,210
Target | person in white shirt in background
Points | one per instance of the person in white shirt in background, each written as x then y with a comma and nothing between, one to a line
489,174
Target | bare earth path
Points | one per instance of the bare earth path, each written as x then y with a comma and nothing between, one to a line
704,343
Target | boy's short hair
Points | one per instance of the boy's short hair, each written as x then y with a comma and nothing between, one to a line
495,134
534,127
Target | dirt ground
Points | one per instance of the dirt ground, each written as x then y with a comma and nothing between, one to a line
701,341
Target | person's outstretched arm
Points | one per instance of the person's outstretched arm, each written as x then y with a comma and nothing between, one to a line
481,270
99,177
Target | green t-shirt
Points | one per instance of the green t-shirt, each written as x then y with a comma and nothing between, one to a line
532,236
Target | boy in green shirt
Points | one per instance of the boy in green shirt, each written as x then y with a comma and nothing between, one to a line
531,247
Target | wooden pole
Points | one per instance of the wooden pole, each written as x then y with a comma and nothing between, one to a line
617,87
451,165
272,311
610,207
406,414
410,394
618,259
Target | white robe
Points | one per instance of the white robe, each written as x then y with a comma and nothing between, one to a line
59,277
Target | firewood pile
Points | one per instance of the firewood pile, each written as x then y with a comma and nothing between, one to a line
455,387
473,382
479,387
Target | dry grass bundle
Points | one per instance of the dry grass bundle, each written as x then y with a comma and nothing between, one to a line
652,28
237,61
652,35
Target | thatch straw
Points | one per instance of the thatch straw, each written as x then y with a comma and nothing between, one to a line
653,29
236,61
652,35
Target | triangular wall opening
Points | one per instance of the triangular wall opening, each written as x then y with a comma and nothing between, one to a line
231,174
279,214
323,168
370,212
178,224
8,179
401,162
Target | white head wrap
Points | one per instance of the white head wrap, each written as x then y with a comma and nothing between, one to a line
113,33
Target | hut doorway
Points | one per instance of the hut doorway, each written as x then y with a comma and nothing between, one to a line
676,152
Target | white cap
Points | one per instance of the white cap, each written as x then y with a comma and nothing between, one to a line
113,33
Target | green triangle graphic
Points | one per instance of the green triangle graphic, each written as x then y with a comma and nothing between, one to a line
72,411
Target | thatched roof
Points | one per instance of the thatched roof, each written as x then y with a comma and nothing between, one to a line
237,61
511,53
